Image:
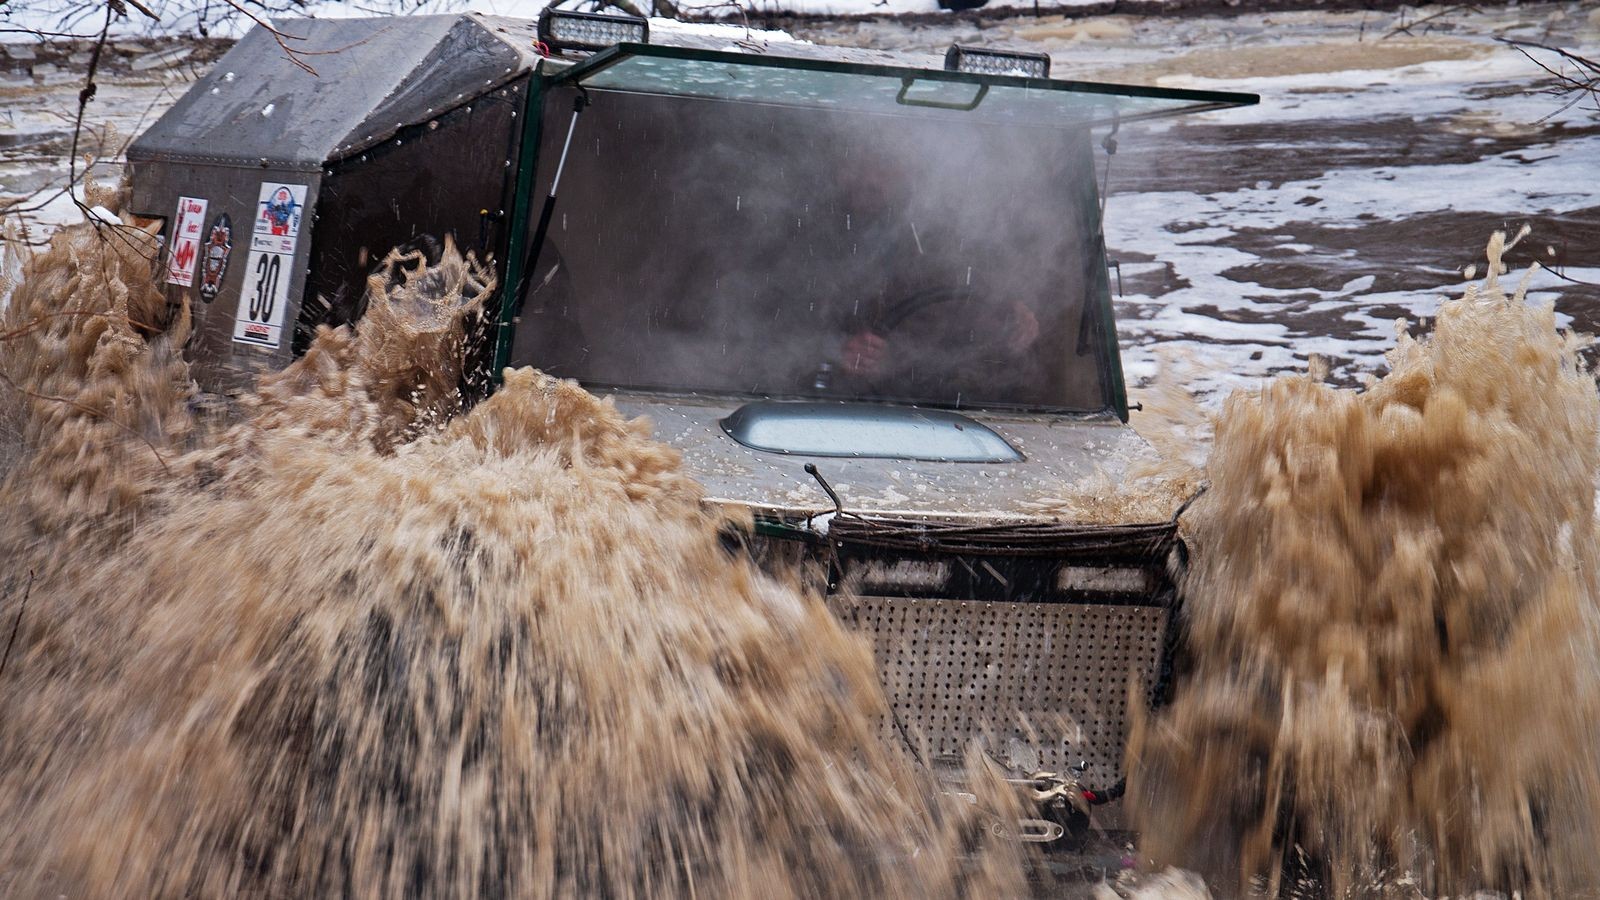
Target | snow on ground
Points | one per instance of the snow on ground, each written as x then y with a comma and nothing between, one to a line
869,7
36,123
73,18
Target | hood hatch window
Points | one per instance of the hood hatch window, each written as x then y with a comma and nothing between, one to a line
866,430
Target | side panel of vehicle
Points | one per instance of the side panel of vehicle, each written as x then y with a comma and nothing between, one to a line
448,177
255,233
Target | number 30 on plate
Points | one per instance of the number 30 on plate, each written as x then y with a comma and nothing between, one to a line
259,320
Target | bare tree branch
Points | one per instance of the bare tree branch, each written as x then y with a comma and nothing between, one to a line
89,410
144,9
1574,75
84,96
1405,27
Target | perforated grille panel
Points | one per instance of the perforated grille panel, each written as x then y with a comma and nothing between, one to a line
958,670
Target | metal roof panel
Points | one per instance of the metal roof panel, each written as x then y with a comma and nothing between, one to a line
258,106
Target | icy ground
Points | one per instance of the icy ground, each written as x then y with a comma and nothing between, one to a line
1358,191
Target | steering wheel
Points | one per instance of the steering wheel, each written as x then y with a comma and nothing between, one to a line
908,308
914,305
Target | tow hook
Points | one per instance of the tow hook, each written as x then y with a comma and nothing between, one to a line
1049,789
1038,831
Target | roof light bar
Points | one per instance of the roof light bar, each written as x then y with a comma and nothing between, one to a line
983,61
570,30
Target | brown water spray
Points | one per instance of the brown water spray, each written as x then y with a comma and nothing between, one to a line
362,643
1393,683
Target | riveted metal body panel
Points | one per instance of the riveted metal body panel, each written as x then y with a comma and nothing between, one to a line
408,127
222,364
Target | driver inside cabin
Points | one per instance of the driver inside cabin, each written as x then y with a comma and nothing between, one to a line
925,322
731,251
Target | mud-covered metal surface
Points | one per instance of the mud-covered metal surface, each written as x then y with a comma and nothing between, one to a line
232,202
1059,451
302,171
353,83
256,104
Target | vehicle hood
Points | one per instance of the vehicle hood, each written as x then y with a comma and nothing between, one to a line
1064,456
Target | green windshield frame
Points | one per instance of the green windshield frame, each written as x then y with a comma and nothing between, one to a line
883,89
857,88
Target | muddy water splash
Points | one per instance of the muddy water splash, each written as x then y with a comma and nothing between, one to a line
1394,684
361,643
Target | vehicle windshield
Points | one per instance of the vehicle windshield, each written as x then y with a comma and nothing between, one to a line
753,249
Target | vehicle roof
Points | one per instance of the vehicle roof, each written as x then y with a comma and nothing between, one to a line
345,85
362,80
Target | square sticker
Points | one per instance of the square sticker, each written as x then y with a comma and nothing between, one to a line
279,211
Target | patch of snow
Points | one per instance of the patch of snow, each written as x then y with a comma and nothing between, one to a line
161,59
872,7
724,30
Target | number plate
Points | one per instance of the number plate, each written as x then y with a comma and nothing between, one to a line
266,292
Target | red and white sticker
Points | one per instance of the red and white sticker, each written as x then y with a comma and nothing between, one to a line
274,234
186,235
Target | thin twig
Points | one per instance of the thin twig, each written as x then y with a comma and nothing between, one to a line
1580,61
16,207
90,88
1581,83
289,52
144,9
6,379
70,35
1568,278
1406,28
16,625
295,54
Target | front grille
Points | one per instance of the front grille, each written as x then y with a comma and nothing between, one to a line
1040,685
